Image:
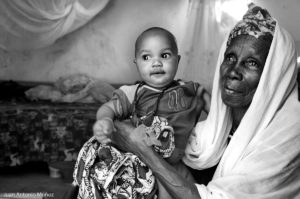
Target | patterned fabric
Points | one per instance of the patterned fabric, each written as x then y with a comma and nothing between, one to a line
256,22
102,171
164,134
50,132
106,171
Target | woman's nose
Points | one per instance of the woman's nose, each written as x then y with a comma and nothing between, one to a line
235,73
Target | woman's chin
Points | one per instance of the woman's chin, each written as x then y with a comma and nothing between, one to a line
236,100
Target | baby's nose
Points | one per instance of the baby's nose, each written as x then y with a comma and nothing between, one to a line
157,63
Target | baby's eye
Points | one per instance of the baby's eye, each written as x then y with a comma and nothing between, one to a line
165,55
146,57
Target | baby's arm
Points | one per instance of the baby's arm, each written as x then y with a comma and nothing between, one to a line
118,107
107,110
104,125
207,98
204,99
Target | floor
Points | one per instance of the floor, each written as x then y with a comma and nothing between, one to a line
35,181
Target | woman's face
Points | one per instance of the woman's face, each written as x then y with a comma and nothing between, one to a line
240,72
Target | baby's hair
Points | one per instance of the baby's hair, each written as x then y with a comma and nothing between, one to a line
171,37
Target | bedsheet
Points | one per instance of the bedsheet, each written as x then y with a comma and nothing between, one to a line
43,131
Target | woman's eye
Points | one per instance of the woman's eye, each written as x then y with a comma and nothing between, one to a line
252,64
230,58
165,55
146,57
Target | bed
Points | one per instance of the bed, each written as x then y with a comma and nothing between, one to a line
41,130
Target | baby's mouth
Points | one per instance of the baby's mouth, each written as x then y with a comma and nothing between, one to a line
158,72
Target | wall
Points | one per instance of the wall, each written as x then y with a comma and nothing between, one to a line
287,14
103,48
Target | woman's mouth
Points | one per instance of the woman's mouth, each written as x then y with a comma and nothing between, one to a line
232,91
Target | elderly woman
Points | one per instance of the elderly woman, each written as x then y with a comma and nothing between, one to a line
252,131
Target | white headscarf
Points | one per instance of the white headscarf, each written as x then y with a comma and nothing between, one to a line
262,159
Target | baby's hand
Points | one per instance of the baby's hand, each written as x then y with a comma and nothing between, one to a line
103,129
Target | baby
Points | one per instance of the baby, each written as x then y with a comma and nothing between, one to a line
168,108
159,100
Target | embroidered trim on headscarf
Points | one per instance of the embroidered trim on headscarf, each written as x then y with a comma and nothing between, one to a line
256,22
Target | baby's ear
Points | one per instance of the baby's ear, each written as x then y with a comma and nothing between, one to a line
134,61
179,57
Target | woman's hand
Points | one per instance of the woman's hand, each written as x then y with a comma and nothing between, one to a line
129,138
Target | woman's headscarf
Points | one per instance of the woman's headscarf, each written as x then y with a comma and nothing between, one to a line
257,22
262,159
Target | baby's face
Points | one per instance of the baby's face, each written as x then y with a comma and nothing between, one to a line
156,61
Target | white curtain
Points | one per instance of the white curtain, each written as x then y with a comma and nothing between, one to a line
30,24
206,28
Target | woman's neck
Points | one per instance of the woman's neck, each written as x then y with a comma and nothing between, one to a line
237,116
